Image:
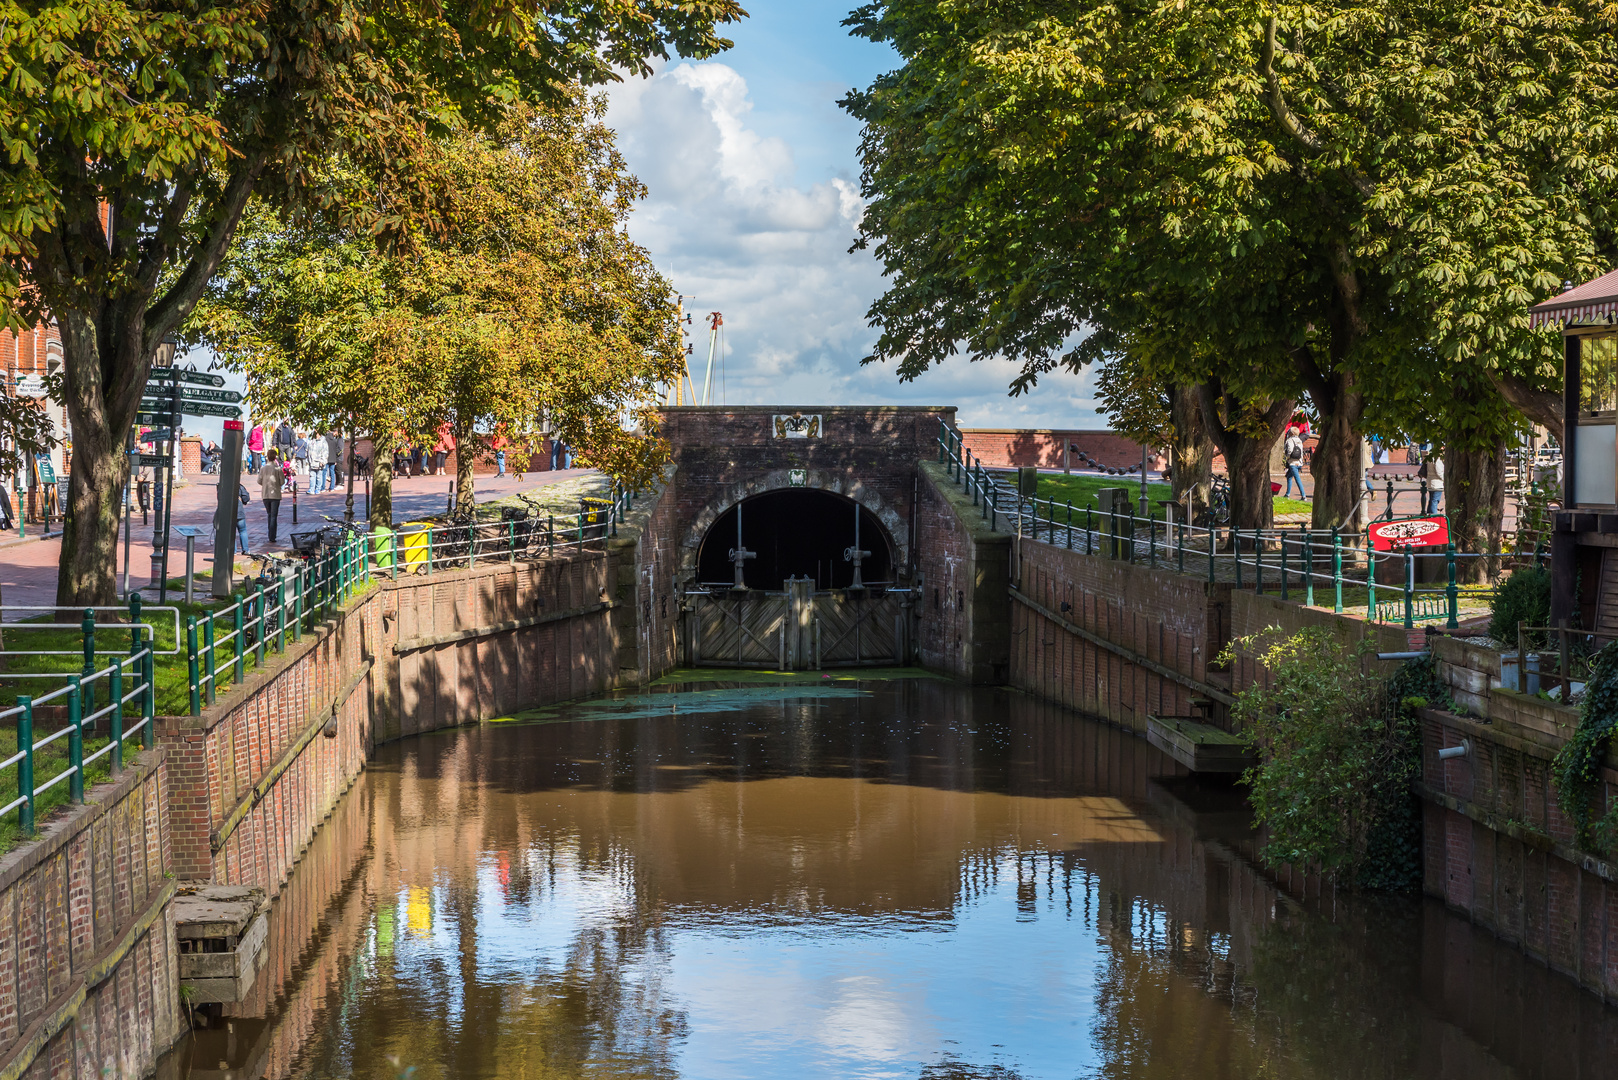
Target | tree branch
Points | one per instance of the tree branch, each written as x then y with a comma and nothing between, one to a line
1543,407
1289,121
163,317
1208,394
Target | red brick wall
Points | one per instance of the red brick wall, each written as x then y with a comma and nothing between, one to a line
69,902
961,616
1005,447
646,617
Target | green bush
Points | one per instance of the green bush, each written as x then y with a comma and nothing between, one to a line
1337,750
1525,596
1576,772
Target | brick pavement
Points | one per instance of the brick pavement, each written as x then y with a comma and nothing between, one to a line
28,567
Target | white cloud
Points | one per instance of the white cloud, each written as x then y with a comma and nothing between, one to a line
729,223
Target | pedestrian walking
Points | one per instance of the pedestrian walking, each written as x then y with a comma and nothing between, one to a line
334,460
318,451
1432,471
5,507
559,455
270,479
499,455
300,455
241,518
442,448
285,439
255,448
1292,451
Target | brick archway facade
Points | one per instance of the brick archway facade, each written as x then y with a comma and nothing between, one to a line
848,487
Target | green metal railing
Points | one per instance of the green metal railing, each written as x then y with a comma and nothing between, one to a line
127,679
1279,560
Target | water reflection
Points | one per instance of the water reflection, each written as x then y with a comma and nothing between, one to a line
910,880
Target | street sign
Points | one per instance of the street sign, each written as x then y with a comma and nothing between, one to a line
153,461
193,393
209,408
160,411
161,434
187,375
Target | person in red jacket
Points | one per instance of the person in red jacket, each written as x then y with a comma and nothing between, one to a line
441,449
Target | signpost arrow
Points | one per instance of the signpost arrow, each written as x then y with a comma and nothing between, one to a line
159,412
202,378
153,461
192,393
155,435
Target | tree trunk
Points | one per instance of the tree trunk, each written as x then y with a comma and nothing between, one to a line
1337,468
381,483
1247,456
465,500
1192,449
100,411
1475,500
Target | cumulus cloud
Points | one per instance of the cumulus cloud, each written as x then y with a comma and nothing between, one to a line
728,220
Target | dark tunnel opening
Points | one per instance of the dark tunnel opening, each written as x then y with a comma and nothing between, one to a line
798,532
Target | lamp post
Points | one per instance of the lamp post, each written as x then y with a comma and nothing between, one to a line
163,490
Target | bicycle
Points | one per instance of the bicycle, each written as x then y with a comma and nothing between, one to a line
252,627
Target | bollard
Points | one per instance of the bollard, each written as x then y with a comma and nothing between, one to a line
1390,498
115,719
192,666
1337,568
241,666
75,741
87,632
1451,593
25,767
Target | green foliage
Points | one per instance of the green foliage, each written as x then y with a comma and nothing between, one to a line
1576,771
1525,596
1338,748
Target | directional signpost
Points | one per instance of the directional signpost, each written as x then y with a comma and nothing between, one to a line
153,461
202,378
161,434
176,392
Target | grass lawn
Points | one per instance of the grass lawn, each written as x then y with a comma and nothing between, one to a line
48,763
1081,490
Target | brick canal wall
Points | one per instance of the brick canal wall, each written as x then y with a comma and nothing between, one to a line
1498,845
962,619
89,983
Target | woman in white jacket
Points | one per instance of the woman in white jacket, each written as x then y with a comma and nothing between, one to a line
317,465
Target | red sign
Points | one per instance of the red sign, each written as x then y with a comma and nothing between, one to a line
1410,533
233,425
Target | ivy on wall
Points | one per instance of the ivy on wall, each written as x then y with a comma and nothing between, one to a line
1338,747
1576,772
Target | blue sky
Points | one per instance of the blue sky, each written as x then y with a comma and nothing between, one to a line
754,196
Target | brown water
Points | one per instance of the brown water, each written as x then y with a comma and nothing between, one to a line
892,878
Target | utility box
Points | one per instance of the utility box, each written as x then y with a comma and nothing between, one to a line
1027,481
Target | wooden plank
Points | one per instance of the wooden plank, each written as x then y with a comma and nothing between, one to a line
1200,747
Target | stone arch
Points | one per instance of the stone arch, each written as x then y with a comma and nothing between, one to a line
779,480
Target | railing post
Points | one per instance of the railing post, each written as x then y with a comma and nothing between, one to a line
1564,671
1451,593
298,587
75,741
1337,568
943,430
994,509
148,700
472,543
581,529
263,626
429,551
1151,533
1390,498
1370,583
1070,524
1236,540
25,767
193,668
241,667
87,631
1089,530
1258,561
1212,544
511,542
550,533
1280,534
1410,591
115,719
1308,566
281,613
209,655
1179,534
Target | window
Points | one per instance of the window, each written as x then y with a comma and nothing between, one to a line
1598,375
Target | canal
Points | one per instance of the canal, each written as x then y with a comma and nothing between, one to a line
890,877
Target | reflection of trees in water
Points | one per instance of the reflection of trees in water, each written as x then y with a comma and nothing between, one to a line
602,1012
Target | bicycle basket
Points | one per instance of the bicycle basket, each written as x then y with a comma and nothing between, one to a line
306,543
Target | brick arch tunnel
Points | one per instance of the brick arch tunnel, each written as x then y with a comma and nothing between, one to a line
796,532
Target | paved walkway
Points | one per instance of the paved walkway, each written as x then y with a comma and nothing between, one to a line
28,567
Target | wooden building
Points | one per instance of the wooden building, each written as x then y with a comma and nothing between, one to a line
1584,543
